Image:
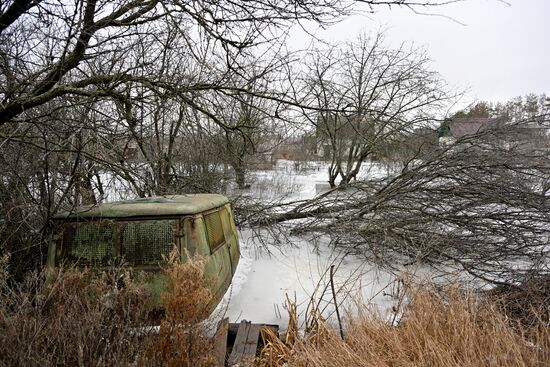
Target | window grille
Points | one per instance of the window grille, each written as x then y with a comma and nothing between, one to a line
146,242
89,243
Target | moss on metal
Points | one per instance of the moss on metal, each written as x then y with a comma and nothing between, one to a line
153,206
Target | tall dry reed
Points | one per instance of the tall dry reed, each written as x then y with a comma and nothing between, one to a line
456,330
183,338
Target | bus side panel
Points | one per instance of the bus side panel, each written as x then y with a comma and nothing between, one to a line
217,270
231,237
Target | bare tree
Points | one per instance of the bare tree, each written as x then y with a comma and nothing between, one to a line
242,143
84,82
45,44
255,125
370,98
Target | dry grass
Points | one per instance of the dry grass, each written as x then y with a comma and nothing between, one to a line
84,320
79,320
457,330
182,339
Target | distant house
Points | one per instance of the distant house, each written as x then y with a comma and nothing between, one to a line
458,128
295,149
529,136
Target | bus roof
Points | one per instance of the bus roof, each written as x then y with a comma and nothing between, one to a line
144,207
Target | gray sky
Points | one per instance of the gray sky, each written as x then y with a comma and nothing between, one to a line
501,52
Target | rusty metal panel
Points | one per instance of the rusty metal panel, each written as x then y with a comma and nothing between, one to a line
226,221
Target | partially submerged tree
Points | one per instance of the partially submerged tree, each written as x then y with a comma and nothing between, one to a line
240,144
256,128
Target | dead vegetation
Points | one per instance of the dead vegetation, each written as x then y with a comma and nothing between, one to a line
82,319
527,303
182,339
457,329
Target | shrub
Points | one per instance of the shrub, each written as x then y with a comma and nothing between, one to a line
183,335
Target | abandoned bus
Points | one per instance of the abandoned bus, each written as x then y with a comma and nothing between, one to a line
141,232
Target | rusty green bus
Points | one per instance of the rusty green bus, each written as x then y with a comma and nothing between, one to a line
140,233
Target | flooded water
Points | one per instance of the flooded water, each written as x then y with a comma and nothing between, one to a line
272,269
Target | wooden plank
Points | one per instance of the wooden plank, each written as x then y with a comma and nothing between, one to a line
238,346
220,343
252,341
246,343
234,327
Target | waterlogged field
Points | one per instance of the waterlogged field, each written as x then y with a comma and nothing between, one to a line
301,272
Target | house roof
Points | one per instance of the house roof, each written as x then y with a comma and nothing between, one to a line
465,126
153,206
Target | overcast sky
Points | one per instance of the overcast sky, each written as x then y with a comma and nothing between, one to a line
500,52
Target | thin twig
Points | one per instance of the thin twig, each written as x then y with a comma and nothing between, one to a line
336,303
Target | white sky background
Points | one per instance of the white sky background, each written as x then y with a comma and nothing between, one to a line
499,52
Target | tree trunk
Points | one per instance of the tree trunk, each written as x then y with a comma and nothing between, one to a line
240,175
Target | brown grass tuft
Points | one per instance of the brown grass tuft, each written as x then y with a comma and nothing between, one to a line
183,338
